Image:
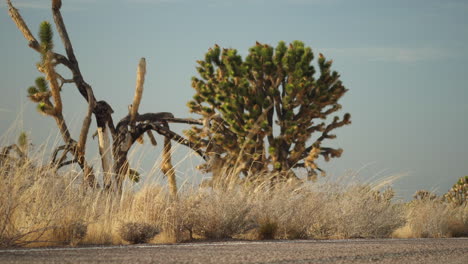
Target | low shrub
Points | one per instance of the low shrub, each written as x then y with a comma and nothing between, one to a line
137,233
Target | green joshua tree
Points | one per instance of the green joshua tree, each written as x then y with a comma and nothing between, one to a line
458,194
46,93
266,113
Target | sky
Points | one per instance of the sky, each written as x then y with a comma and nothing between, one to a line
405,63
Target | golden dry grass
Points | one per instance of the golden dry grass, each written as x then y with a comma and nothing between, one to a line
39,207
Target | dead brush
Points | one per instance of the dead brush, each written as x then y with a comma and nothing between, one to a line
221,214
433,218
137,232
361,211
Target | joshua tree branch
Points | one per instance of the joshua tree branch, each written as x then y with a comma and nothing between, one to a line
189,121
63,80
21,25
65,150
32,42
56,151
86,123
152,139
166,164
335,124
141,71
166,132
68,162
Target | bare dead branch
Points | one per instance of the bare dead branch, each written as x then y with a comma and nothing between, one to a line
65,149
86,123
141,71
21,25
62,80
152,139
189,121
73,63
169,134
56,151
66,163
56,4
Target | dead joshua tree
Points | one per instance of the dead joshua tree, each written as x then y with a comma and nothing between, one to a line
114,140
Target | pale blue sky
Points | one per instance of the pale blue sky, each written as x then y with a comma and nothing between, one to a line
405,63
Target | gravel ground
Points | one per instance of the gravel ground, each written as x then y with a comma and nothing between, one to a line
304,251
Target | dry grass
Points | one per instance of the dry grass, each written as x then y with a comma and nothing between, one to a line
39,207
433,218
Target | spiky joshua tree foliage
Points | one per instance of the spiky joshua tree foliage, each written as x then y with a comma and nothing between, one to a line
266,113
458,194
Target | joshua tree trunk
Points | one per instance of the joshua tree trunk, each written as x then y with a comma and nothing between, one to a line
167,168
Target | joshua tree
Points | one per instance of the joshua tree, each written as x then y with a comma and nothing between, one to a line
260,114
114,149
458,194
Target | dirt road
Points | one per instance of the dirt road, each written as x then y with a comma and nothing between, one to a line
305,251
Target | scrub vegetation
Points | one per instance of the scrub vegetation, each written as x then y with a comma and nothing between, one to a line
42,207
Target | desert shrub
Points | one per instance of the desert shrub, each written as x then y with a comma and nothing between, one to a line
137,232
221,213
434,218
279,209
458,226
364,212
428,218
327,211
